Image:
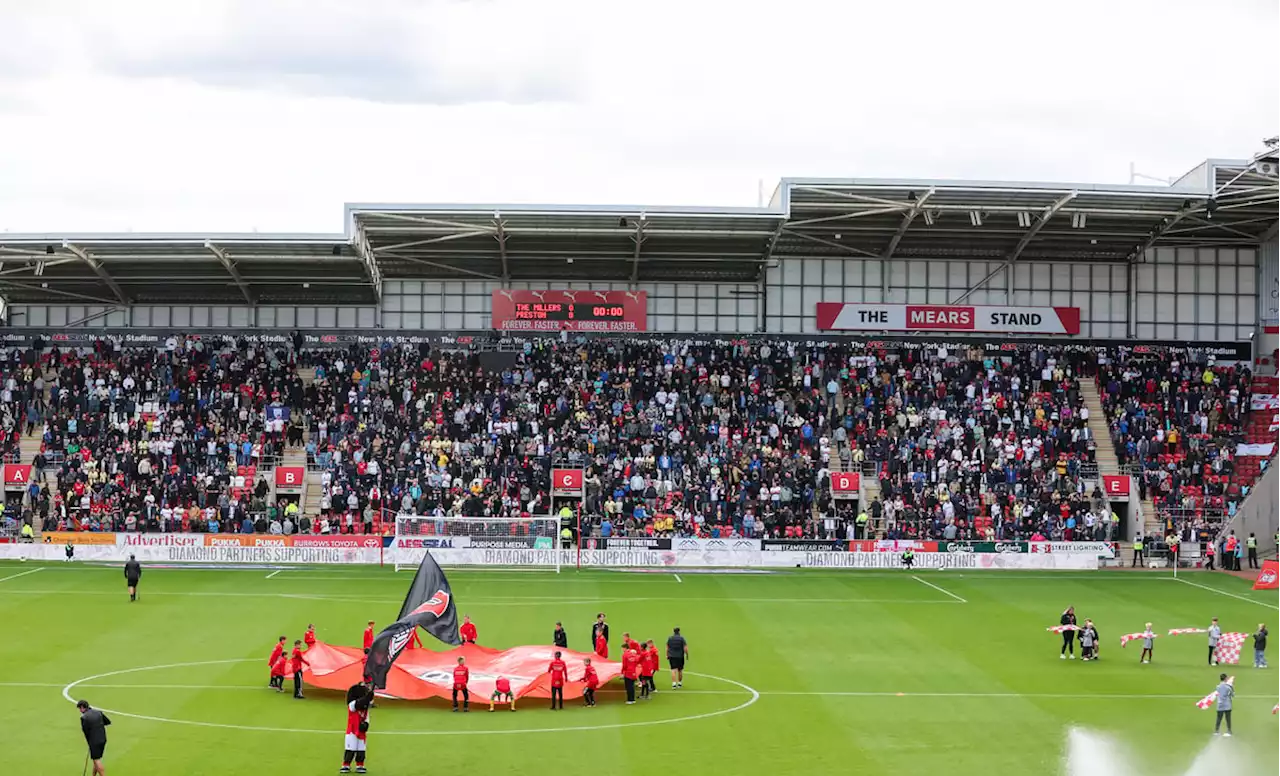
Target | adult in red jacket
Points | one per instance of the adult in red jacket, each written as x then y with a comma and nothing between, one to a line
467,631
559,673
630,672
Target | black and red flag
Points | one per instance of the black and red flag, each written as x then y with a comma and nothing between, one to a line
429,605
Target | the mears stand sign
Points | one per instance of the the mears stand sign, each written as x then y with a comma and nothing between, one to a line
840,316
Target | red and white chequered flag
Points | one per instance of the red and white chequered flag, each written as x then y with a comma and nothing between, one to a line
1126,638
1228,649
1212,697
1184,631
1063,628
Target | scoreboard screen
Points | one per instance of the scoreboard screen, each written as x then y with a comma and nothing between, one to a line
570,310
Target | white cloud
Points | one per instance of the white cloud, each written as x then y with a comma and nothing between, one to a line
231,114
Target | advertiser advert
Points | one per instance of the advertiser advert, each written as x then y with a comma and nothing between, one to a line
717,545
77,538
802,545
434,543
134,540
510,542
627,543
199,553
280,554
1089,549
891,545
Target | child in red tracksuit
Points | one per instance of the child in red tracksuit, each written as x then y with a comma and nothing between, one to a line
591,680
278,671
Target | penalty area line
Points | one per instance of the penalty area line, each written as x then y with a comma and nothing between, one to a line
939,589
20,574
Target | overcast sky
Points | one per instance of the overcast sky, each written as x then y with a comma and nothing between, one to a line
234,115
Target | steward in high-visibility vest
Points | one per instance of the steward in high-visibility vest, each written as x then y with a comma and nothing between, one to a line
1251,544
1137,553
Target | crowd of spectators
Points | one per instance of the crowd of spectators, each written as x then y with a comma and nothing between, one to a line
675,437
1177,424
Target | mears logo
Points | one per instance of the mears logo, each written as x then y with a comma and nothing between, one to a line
743,544
688,544
437,605
716,544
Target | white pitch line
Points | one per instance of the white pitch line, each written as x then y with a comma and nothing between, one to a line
678,579
940,590
20,574
1210,589
763,693
272,574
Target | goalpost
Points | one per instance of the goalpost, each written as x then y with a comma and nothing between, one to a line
478,541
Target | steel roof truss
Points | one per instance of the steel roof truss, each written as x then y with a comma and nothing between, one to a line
906,223
98,270
230,267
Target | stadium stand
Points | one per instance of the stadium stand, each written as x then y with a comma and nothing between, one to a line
1114,340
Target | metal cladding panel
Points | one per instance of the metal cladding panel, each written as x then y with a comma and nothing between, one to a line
1269,282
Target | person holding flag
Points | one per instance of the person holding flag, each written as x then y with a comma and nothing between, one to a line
309,638
1260,646
428,605
1068,623
600,630
559,673
296,662
602,644
648,667
591,680
467,631
502,689
276,652
461,675
367,640
1215,633
1148,643
1226,693
630,671
359,699
278,671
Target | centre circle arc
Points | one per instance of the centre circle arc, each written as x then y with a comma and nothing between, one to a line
66,694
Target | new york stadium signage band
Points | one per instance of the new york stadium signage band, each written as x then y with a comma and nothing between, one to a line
839,316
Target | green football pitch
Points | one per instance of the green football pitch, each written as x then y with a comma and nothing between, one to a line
795,672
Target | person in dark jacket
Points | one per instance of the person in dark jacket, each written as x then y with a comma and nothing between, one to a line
1260,647
132,573
1068,636
560,638
93,724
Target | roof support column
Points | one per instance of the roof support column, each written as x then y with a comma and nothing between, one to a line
500,232
637,238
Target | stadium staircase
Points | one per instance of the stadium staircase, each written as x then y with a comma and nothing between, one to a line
307,374
1105,452
29,445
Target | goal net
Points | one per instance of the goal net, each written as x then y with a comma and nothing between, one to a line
478,541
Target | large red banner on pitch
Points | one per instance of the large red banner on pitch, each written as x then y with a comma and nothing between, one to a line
418,674
515,310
